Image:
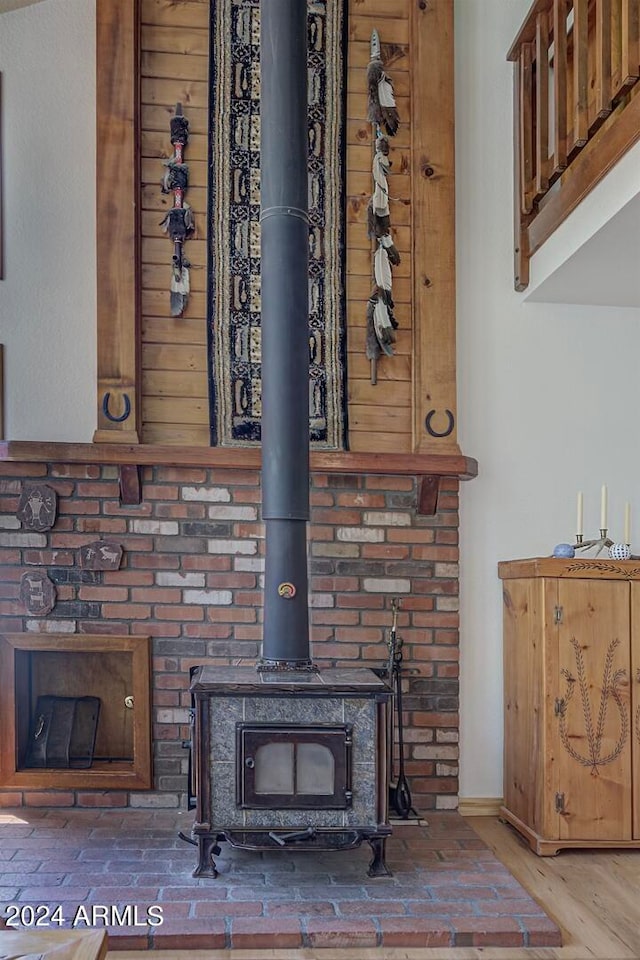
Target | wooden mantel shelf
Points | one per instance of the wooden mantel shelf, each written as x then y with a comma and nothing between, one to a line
419,464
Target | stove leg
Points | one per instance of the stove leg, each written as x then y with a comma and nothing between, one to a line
207,847
378,866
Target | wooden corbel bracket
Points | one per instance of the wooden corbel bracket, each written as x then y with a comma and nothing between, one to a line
428,490
130,478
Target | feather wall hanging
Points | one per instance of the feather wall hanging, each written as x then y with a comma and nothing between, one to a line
178,223
383,115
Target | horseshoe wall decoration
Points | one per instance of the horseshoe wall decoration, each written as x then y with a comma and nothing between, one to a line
439,433
110,416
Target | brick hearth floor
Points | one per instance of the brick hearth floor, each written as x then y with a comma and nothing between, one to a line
447,888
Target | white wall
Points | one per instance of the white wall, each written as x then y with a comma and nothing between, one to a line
48,298
548,395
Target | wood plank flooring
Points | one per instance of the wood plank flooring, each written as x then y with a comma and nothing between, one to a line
592,895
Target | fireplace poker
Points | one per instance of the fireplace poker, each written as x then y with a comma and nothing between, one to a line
399,791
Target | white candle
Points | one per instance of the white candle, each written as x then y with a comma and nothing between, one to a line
580,514
627,523
603,507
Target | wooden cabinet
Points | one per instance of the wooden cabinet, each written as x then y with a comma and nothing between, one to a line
116,669
572,702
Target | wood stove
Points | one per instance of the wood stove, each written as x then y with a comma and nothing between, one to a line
285,754
290,758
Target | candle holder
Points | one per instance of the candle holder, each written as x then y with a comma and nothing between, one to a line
602,543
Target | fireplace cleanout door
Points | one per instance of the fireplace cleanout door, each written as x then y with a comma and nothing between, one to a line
294,767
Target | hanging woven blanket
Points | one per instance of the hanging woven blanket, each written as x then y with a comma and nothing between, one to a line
234,222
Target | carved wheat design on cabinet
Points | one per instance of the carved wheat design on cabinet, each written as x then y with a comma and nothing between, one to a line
611,681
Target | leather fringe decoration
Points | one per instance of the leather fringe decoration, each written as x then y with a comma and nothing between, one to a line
381,323
178,223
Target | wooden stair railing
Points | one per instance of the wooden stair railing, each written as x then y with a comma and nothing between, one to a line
576,109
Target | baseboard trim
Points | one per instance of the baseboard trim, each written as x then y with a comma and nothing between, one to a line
479,806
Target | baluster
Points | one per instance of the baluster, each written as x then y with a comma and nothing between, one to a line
560,86
603,62
580,73
542,105
521,242
526,128
630,43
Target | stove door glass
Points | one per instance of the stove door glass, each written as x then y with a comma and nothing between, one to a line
293,766
315,769
274,768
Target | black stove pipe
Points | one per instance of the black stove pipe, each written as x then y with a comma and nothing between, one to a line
285,330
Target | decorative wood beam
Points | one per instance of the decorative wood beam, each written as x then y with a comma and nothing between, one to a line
118,180
237,458
433,227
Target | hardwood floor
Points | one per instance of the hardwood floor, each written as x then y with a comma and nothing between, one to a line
592,895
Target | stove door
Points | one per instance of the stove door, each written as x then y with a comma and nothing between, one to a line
281,765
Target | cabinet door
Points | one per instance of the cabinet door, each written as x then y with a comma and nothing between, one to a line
528,789
592,710
635,705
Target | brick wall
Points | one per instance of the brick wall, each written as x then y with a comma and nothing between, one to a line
191,578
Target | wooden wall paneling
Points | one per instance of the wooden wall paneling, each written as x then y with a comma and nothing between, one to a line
155,277
182,435
156,117
154,250
167,330
380,415
117,70
152,172
154,305
174,383
174,67
171,64
433,225
184,13
173,357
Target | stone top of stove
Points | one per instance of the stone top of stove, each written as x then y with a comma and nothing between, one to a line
247,678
